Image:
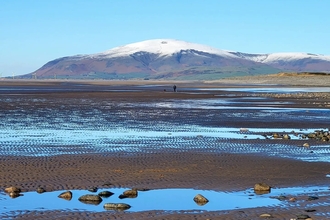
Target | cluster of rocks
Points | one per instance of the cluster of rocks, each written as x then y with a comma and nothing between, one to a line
96,199
320,135
15,192
263,188
317,135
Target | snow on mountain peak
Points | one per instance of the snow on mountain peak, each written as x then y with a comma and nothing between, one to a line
275,57
162,47
281,57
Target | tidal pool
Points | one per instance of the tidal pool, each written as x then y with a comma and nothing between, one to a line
160,199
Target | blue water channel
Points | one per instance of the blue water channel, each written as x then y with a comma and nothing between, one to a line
167,200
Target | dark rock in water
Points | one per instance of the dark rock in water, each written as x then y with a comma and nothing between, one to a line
131,193
261,187
310,210
105,194
93,189
121,196
15,194
66,195
116,206
12,189
200,199
40,190
310,198
90,199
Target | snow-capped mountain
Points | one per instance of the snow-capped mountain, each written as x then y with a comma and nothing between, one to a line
167,58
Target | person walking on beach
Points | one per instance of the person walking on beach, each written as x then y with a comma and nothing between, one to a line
174,88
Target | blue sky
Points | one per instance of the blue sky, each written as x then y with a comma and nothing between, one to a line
33,32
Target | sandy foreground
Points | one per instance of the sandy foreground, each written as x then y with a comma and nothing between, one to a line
171,168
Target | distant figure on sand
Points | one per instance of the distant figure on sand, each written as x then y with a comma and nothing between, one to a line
174,88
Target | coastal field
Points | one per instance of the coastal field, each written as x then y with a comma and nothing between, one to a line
217,136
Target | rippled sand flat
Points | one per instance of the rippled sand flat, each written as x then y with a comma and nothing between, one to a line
75,135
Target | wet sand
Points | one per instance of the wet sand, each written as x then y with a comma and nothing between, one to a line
161,168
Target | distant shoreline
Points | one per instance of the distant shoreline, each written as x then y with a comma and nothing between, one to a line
287,79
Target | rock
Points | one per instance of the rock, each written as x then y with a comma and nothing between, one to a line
116,206
265,215
306,145
311,198
93,189
310,210
200,199
66,195
131,193
311,135
275,135
90,199
286,136
12,189
292,199
324,138
262,187
14,194
105,194
40,190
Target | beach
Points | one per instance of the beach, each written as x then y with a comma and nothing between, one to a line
75,135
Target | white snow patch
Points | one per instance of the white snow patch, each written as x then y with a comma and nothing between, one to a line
276,57
280,57
162,47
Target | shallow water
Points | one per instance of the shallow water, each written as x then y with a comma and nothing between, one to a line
38,125
39,141
167,200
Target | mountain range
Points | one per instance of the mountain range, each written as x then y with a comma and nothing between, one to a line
174,59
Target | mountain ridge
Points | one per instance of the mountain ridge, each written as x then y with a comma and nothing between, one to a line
167,58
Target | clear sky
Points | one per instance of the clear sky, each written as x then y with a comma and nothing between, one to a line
33,32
